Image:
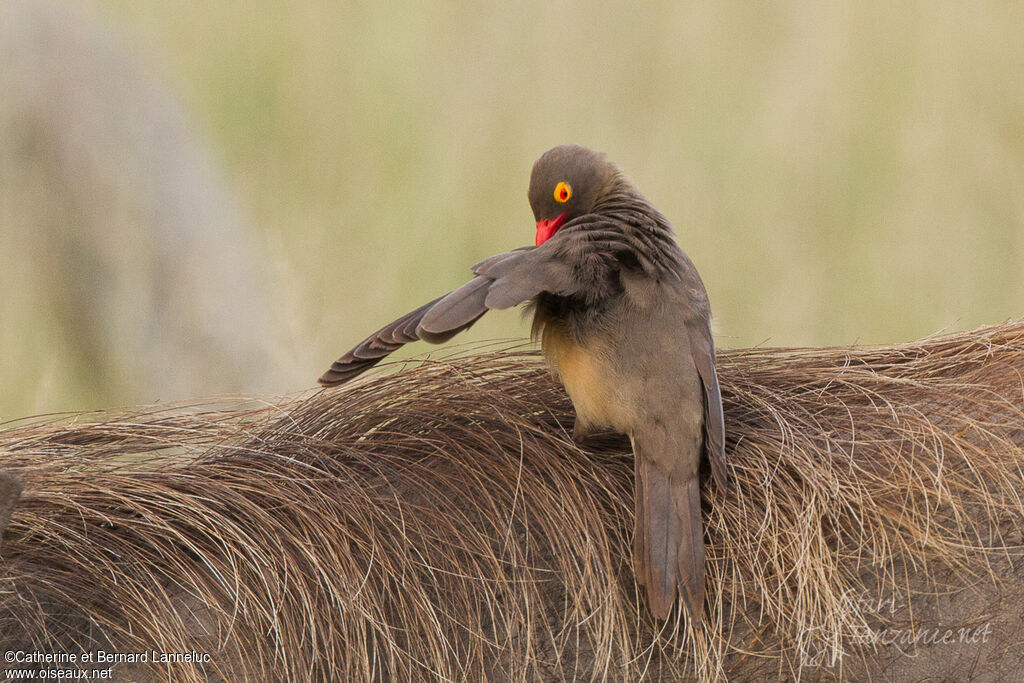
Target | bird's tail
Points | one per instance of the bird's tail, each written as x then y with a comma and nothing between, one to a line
668,543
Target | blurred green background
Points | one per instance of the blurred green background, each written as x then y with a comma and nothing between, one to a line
839,172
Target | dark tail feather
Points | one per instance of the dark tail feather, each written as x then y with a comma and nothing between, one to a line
434,322
691,546
668,541
641,562
640,529
660,542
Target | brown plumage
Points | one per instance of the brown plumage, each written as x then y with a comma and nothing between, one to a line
624,321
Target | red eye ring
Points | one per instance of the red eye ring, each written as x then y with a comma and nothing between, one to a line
563,192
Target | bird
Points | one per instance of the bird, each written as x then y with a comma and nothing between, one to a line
624,322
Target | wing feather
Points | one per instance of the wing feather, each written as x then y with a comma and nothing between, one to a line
703,351
501,281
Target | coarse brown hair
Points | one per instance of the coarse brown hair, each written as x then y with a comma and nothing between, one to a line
440,523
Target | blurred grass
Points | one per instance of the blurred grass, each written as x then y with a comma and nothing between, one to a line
838,172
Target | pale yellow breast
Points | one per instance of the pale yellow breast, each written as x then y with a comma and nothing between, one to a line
589,378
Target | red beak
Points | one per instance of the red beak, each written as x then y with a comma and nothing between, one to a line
545,229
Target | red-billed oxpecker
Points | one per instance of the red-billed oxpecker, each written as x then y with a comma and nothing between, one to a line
624,322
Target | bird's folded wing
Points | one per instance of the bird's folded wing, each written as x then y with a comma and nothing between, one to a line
703,351
501,281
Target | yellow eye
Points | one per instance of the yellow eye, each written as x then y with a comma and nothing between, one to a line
562,192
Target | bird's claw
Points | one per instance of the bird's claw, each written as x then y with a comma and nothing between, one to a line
580,432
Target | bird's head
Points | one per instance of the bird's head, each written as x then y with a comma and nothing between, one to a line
567,182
